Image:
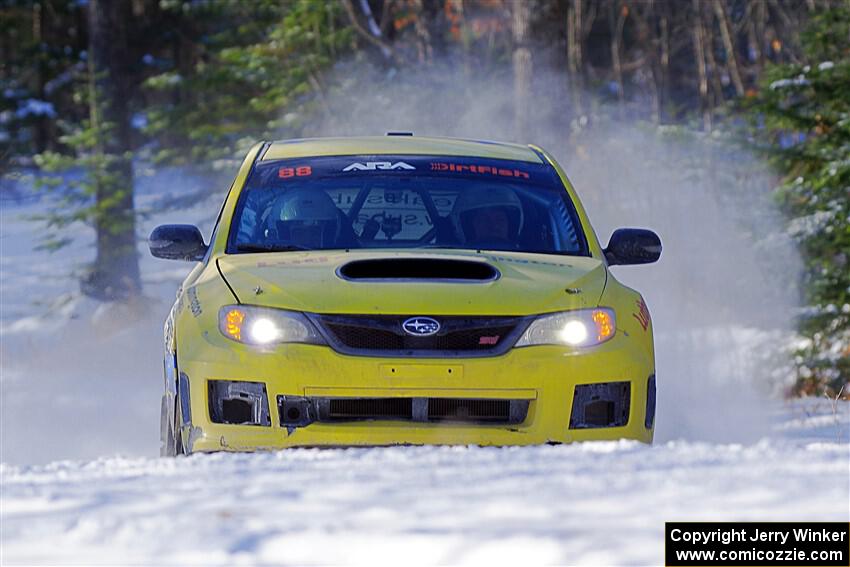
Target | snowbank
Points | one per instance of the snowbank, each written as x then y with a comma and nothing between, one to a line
595,503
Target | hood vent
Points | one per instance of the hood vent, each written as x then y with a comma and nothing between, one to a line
418,269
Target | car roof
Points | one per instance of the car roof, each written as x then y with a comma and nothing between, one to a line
398,145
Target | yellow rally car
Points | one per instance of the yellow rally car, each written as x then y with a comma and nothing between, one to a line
403,290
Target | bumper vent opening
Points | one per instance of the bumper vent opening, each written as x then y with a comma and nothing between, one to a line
370,408
599,413
430,269
238,403
468,410
600,405
237,411
299,412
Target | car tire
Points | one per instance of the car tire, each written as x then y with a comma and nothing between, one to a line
170,435
179,448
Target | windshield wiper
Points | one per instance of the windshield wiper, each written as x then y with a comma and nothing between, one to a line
256,247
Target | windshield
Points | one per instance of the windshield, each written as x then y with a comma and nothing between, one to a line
405,202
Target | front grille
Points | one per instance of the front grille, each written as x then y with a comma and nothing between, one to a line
467,336
376,339
299,412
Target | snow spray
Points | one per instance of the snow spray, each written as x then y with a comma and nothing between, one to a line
725,292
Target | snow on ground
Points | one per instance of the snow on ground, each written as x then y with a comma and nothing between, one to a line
594,503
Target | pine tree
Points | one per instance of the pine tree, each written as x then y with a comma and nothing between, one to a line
255,71
100,147
802,117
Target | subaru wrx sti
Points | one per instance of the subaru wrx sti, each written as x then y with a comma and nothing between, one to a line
403,290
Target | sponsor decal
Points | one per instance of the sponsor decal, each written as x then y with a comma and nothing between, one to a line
525,261
377,165
642,315
420,326
479,169
298,171
295,261
194,302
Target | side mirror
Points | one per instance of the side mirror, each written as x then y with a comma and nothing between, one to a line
633,246
177,242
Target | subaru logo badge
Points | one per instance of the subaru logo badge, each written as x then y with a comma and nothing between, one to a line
420,326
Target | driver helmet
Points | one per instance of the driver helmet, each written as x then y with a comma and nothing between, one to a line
470,202
307,218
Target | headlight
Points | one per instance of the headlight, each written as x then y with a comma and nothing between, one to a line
264,326
581,328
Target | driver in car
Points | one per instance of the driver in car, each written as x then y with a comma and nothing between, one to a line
308,219
488,217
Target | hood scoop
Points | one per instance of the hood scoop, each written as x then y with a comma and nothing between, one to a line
418,269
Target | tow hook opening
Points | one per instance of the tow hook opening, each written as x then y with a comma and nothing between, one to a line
239,403
600,405
295,411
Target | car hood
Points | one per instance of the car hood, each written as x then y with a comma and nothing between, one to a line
315,281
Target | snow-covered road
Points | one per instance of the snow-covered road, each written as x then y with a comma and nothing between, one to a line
595,503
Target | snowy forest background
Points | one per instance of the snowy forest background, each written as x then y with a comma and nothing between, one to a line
752,98
723,125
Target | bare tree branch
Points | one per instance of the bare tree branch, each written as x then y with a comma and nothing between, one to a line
366,34
729,46
699,53
622,10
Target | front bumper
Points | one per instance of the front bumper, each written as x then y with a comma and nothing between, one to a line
544,376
